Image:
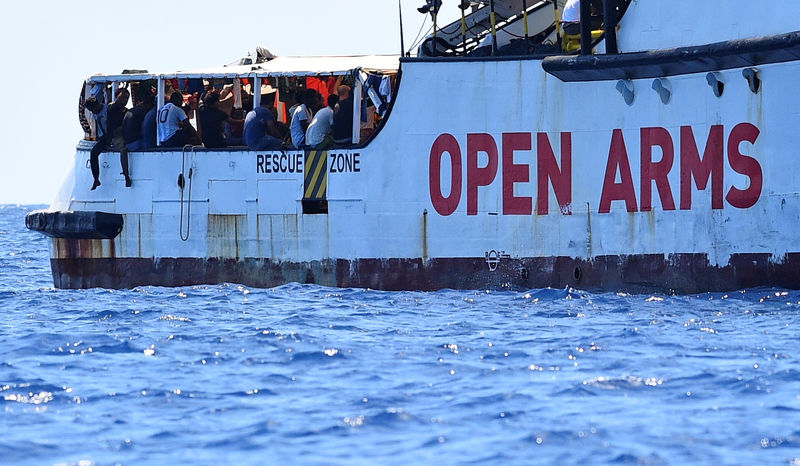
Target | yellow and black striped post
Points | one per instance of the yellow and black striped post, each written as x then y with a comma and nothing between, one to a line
558,22
525,17
463,6
316,176
494,28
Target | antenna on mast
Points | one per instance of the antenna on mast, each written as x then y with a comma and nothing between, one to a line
402,39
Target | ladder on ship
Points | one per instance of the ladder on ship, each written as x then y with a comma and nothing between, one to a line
453,40
533,24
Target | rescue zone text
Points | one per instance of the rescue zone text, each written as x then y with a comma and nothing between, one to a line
292,162
709,167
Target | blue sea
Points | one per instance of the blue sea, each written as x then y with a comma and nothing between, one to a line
303,374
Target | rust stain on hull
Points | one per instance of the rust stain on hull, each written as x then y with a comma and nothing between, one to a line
678,273
84,248
225,233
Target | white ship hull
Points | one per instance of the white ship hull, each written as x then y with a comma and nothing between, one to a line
488,173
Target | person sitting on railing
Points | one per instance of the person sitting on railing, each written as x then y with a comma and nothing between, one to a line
318,135
174,129
343,117
108,119
149,127
284,134
298,97
368,120
301,117
234,130
212,122
132,124
259,128
571,17
131,137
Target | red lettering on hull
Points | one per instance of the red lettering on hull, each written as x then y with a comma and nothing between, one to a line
710,168
479,176
657,171
445,205
515,173
549,171
618,163
742,164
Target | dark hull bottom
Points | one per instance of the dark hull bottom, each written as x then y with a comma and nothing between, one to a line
678,273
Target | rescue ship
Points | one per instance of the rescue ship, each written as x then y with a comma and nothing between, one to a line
655,154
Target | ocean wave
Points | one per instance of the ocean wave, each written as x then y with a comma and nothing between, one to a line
312,374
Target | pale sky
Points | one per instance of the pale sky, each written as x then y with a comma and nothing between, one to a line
50,47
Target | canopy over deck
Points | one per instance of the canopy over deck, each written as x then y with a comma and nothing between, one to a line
280,66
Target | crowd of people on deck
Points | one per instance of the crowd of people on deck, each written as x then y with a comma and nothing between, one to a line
225,118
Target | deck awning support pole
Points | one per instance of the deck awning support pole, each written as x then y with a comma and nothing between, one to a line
357,91
463,6
610,19
586,28
558,22
87,91
237,93
257,92
159,102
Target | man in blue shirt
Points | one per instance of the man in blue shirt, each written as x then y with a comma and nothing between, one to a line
260,132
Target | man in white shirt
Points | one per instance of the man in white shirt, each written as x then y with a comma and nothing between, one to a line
301,117
322,124
173,123
571,17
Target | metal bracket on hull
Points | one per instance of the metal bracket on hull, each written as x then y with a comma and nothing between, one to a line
716,83
753,79
662,88
625,87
